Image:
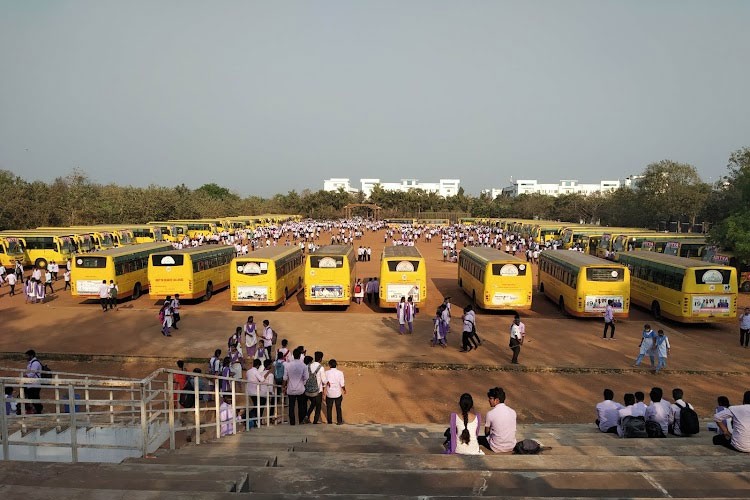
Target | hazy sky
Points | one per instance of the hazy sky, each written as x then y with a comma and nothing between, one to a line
266,97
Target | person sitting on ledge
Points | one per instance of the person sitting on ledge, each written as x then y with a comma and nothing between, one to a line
462,433
607,413
739,438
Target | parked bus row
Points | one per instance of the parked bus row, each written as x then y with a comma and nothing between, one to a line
266,277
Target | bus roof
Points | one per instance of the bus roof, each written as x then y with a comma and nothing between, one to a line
401,251
488,254
334,250
197,250
140,247
271,252
668,260
578,259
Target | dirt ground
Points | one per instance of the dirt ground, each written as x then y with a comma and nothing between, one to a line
564,367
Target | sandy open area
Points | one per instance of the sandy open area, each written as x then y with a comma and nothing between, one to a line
565,364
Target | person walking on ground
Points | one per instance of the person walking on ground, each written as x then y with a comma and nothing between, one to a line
359,291
48,281
66,277
401,315
12,280
409,313
447,313
609,320
316,397
268,339
469,330
335,390
165,316
661,348
516,338
739,438
176,310
646,345
744,326
104,295
438,328
113,290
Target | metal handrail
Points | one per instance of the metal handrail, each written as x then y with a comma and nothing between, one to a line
152,403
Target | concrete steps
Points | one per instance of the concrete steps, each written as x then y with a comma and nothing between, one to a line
399,462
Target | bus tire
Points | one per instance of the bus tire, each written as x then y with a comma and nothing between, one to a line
460,283
656,310
745,287
474,299
299,283
41,263
136,292
209,291
541,287
561,305
286,294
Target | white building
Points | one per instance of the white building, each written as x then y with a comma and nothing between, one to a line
336,184
445,187
527,186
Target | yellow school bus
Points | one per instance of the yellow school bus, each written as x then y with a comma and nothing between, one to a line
266,277
403,273
329,276
198,227
171,231
192,272
684,290
127,266
41,247
581,284
495,279
11,250
102,239
142,233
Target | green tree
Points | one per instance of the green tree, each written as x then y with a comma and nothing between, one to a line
672,191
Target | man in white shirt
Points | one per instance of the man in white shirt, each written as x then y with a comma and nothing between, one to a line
627,411
639,408
607,413
254,388
609,320
335,389
516,338
739,438
675,410
745,328
295,376
113,291
175,310
104,295
12,279
500,424
660,410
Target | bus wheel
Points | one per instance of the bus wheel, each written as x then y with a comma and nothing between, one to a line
41,263
745,287
474,299
656,310
561,305
209,291
136,291
299,283
541,287
286,293
460,283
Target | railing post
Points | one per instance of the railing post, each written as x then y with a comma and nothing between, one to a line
217,407
22,394
111,407
268,409
86,395
73,424
170,408
144,422
4,427
234,407
58,426
197,409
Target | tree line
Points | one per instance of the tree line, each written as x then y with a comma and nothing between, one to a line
666,192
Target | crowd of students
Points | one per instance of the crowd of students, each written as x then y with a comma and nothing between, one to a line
636,419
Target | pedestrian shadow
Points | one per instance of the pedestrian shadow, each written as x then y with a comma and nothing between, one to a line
390,322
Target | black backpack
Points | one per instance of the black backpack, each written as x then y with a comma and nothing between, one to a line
634,427
527,447
689,423
653,429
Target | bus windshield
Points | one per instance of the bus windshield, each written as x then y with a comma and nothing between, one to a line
168,260
66,245
509,269
91,262
13,246
713,276
252,267
326,262
403,266
604,274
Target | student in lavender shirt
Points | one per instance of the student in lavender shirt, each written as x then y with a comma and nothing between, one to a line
607,413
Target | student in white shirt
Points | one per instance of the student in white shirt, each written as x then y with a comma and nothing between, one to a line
335,389
104,295
739,438
660,410
500,424
627,411
607,413
676,409
316,400
639,408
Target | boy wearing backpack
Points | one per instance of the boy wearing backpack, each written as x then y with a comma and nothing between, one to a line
683,421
